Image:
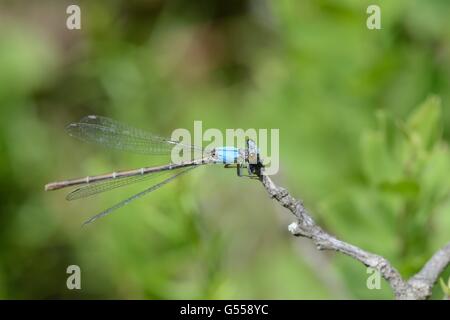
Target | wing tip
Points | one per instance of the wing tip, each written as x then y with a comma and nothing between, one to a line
91,220
85,224
70,127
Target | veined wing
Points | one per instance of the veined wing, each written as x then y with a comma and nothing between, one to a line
137,196
113,134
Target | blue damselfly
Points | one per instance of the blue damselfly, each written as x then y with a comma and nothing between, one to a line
116,135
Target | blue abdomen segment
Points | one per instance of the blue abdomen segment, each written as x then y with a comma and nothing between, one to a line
227,155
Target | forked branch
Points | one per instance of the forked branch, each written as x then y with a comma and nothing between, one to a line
417,287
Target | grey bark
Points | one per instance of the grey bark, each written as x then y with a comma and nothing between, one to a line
418,287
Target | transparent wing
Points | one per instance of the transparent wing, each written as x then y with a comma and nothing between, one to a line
137,196
103,186
113,134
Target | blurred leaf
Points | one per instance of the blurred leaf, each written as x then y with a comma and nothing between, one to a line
425,123
404,188
378,162
445,287
27,60
435,176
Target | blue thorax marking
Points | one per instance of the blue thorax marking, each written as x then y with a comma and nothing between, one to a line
227,155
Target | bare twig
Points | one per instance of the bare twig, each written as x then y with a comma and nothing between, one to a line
418,287
423,281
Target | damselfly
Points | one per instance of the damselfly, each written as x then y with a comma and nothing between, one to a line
116,135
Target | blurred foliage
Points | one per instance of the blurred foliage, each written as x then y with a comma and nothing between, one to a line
445,288
364,129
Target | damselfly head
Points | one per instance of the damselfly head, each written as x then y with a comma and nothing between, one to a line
255,164
252,152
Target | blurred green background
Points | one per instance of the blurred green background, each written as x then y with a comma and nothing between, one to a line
364,129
